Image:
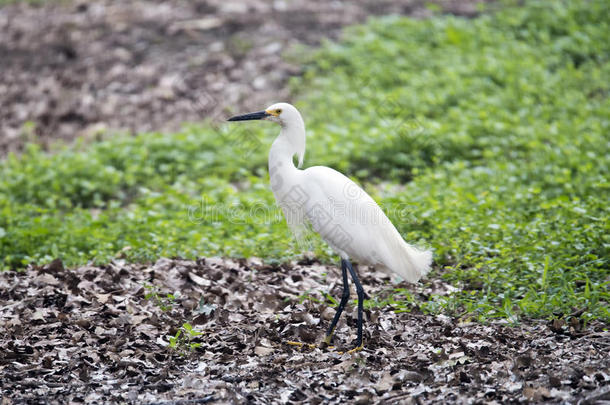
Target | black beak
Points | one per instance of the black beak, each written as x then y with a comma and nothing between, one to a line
251,116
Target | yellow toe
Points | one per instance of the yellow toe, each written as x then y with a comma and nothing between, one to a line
301,344
354,350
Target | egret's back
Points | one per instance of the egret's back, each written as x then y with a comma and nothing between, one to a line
355,226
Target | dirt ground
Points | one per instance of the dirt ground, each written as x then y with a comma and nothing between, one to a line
90,335
77,68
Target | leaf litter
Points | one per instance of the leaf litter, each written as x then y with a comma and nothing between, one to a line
104,334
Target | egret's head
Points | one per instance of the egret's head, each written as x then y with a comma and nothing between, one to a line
293,127
282,113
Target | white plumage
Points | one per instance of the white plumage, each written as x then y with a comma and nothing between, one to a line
344,215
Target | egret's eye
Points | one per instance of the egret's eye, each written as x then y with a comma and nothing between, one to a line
278,111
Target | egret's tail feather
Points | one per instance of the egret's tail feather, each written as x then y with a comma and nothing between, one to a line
411,263
421,260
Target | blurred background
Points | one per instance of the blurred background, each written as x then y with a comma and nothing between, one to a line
78,68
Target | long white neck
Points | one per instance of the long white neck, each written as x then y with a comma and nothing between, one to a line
293,132
281,154
290,142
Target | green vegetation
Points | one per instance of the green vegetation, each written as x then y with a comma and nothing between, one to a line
486,139
183,341
164,303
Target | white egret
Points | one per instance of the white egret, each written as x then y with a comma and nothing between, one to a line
344,215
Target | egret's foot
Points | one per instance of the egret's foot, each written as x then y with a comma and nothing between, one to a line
301,344
328,339
323,345
354,350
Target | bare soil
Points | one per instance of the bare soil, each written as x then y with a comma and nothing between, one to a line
91,335
73,69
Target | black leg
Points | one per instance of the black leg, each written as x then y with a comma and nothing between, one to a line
344,299
360,292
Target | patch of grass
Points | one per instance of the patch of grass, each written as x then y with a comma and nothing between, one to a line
183,340
165,303
401,95
401,299
486,139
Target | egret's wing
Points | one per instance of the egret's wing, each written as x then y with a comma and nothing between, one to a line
355,226
393,253
298,224
292,197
